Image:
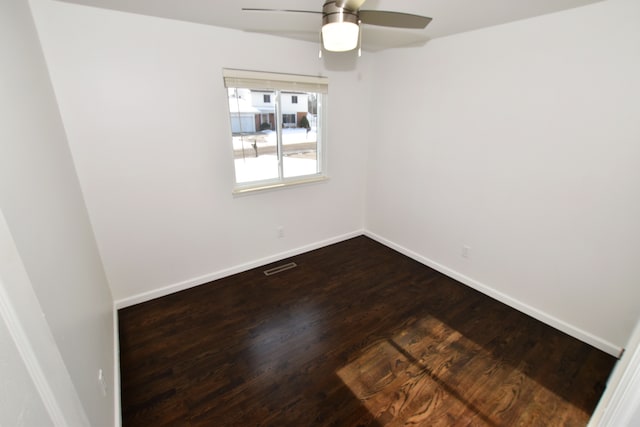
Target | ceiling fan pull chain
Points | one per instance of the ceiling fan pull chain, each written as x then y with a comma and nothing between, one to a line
359,38
320,47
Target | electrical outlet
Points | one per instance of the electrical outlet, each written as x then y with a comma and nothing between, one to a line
102,383
466,251
280,231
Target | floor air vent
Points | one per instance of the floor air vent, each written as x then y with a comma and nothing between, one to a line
280,268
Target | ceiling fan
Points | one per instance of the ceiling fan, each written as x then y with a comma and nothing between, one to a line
341,21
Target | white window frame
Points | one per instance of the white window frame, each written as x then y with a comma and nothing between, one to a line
279,82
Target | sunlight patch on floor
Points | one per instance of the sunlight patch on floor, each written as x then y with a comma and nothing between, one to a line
409,378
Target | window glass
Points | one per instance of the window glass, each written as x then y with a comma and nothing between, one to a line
274,139
254,148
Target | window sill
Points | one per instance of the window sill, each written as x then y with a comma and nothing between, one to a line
279,184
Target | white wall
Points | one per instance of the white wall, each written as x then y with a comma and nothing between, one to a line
521,141
20,404
145,111
37,389
45,212
620,402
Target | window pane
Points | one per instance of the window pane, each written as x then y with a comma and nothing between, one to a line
289,120
253,133
300,136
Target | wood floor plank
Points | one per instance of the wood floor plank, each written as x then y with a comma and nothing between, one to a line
356,335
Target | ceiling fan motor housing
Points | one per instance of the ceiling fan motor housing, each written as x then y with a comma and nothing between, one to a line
332,13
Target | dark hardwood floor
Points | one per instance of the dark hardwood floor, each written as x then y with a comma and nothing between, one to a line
356,335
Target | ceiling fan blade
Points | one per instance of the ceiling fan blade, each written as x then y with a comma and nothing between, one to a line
253,9
393,19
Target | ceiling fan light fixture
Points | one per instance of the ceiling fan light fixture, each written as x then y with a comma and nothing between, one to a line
340,36
340,28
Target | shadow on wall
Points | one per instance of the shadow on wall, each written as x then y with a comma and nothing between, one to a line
340,61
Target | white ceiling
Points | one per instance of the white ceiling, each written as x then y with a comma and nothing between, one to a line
449,16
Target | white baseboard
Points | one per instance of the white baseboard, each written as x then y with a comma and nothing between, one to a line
117,418
542,316
196,281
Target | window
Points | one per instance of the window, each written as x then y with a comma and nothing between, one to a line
277,144
289,120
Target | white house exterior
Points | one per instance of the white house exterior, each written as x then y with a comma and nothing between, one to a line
259,108
241,112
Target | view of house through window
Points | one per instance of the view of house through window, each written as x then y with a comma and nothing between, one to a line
276,127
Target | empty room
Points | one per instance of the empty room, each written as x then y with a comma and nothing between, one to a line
221,213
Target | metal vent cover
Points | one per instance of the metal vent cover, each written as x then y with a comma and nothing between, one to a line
280,268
